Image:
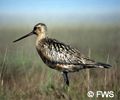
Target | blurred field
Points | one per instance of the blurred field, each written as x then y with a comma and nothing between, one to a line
23,76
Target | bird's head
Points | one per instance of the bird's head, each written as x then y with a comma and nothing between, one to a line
38,29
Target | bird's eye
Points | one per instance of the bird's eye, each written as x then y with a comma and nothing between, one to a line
39,28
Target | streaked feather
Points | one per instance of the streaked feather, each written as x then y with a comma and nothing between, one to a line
57,54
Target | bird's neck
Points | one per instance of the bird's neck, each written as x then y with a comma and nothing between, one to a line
40,37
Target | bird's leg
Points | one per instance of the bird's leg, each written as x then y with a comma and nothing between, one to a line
65,76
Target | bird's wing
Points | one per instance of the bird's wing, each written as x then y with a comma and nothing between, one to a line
58,52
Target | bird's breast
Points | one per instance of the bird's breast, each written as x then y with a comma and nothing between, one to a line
43,51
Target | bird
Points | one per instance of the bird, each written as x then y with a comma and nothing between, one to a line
60,56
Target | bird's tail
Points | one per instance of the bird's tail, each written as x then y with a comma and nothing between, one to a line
98,65
103,65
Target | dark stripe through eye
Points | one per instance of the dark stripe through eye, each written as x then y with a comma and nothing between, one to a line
35,28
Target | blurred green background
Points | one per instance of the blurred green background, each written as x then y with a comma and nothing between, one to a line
92,26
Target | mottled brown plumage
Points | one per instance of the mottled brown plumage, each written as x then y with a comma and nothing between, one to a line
60,56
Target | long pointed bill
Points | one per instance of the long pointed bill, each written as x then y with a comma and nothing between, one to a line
31,33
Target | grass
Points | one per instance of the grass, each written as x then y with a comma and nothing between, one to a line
23,76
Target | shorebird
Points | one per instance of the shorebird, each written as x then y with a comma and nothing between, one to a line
60,56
